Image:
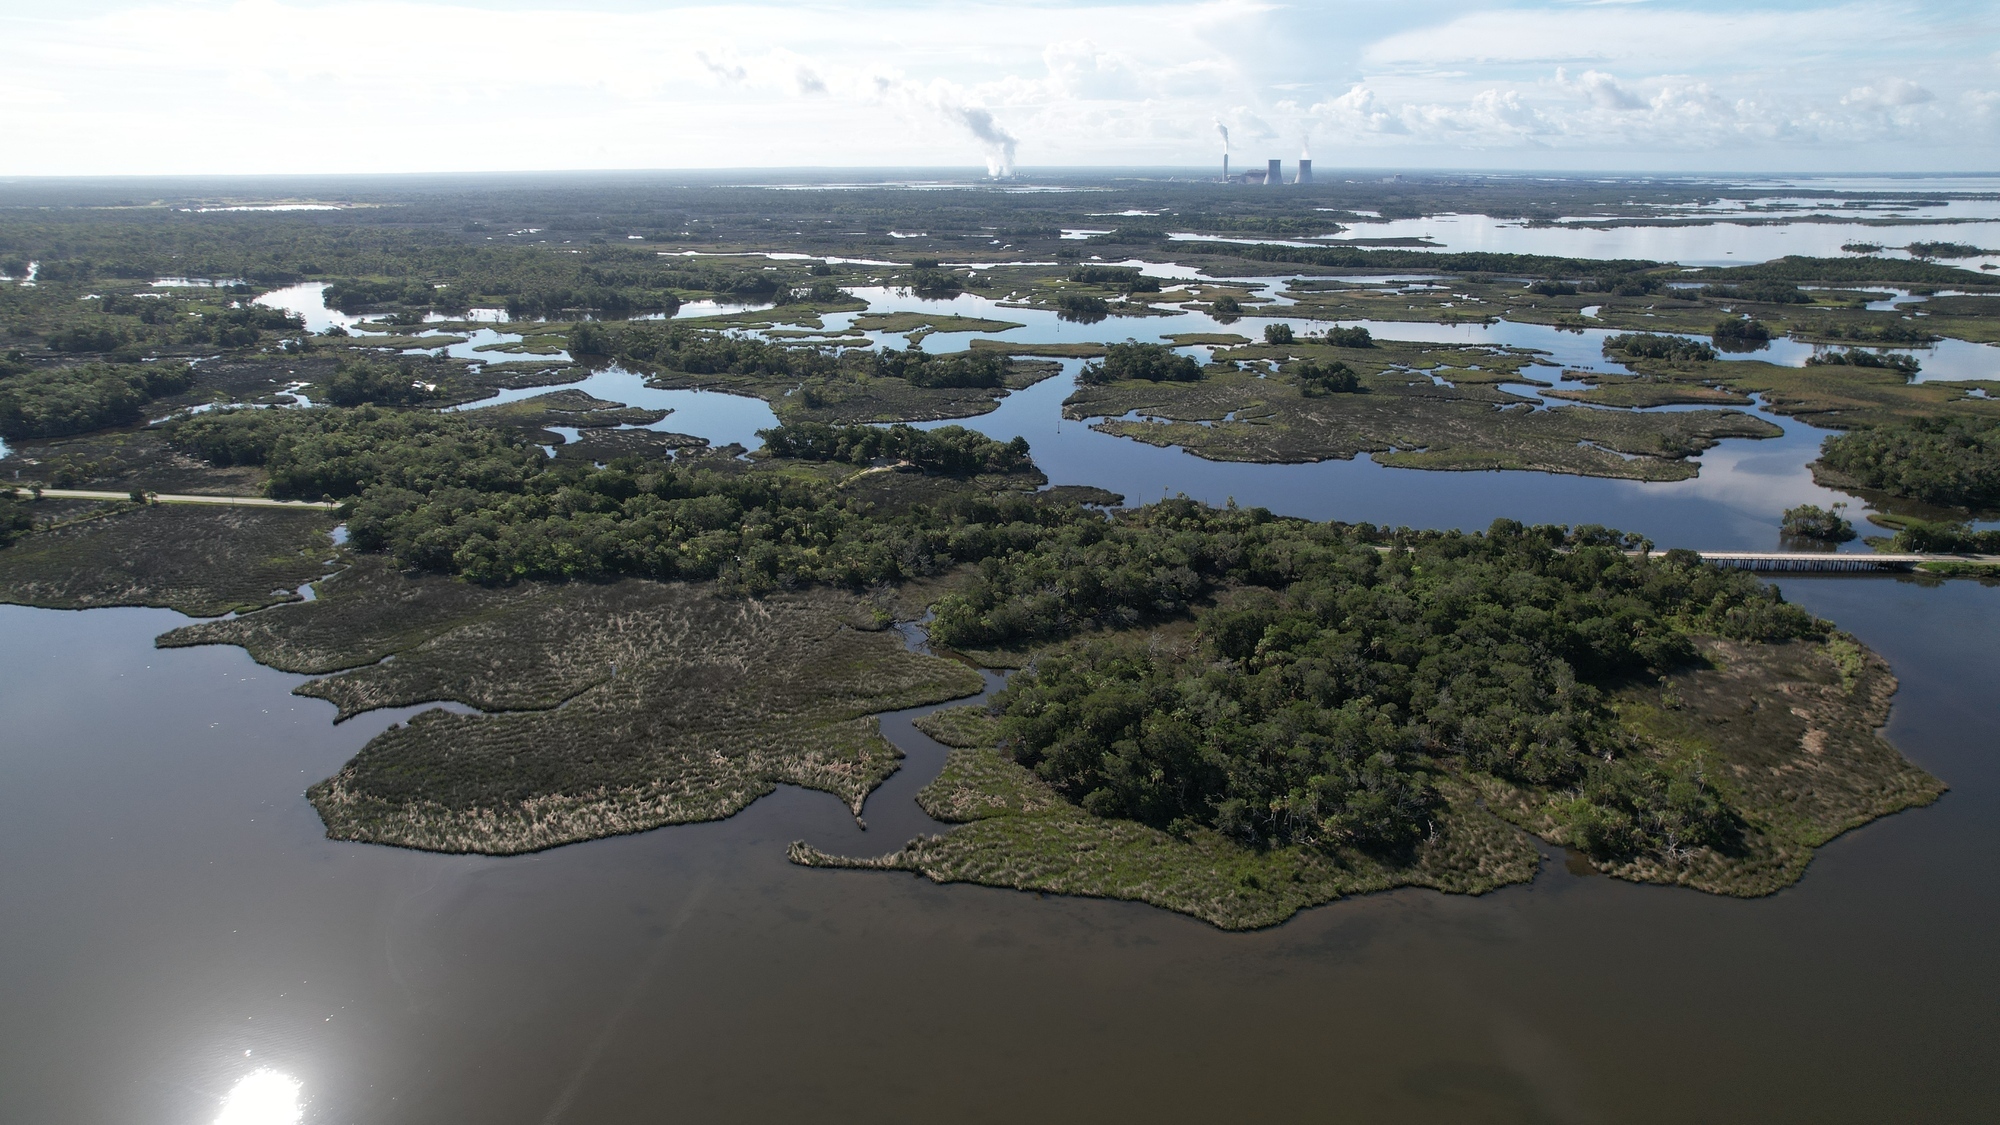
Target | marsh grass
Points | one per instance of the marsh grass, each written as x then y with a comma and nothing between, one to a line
1407,419
201,561
1786,734
607,708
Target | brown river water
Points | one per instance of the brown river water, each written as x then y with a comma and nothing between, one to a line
174,920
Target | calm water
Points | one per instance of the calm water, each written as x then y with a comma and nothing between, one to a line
1743,488
176,920
1712,244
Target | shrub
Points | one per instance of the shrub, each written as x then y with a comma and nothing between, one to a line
1132,360
1648,345
1317,379
1810,521
1741,334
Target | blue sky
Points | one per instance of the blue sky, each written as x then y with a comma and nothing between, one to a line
253,86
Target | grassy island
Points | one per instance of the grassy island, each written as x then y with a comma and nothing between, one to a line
1421,406
1237,717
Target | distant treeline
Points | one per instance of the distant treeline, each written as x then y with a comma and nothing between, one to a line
1796,268
1336,257
699,351
386,266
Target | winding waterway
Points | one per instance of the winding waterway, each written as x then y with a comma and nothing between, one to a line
176,921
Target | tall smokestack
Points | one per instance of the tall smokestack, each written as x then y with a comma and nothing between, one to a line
1225,167
1224,130
1276,175
1305,170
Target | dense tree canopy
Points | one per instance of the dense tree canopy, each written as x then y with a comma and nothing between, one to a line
1953,461
447,495
1133,360
1650,345
53,401
1317,703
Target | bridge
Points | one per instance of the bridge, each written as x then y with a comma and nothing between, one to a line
1828,562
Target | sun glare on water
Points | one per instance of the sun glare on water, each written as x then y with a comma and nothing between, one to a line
263,1097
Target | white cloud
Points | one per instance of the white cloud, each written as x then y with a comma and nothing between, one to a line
1888,94
371,85
1602,90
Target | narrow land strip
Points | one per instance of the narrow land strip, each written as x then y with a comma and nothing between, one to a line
171,498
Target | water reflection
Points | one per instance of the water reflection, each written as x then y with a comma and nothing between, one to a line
263,1097
163,822
1708,244
721,418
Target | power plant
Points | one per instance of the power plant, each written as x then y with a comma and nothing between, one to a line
1273,174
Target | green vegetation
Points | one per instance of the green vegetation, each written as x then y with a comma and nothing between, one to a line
921,369
1855,357
1648,345
1355,336
1945,250
445,494
1081,308
568,407
1852,271
1221,712
932,322
1892,333
1318,378
948,449
15,518
1950,461
1152,363
1945,538
611,708
1759,292
1386,261
1741,334
1428,406
356,382
53,401
1347,699
1810,521
1126,279
199,560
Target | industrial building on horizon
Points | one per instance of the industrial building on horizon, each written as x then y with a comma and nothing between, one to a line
1273,174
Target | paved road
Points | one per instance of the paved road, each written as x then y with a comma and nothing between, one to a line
171,498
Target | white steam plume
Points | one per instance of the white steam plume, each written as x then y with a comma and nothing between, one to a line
942,99
1224,130
998,142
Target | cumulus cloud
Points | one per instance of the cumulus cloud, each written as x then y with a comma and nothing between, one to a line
1602,90
1354,113
1888,94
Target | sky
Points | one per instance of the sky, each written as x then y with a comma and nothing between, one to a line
117,87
